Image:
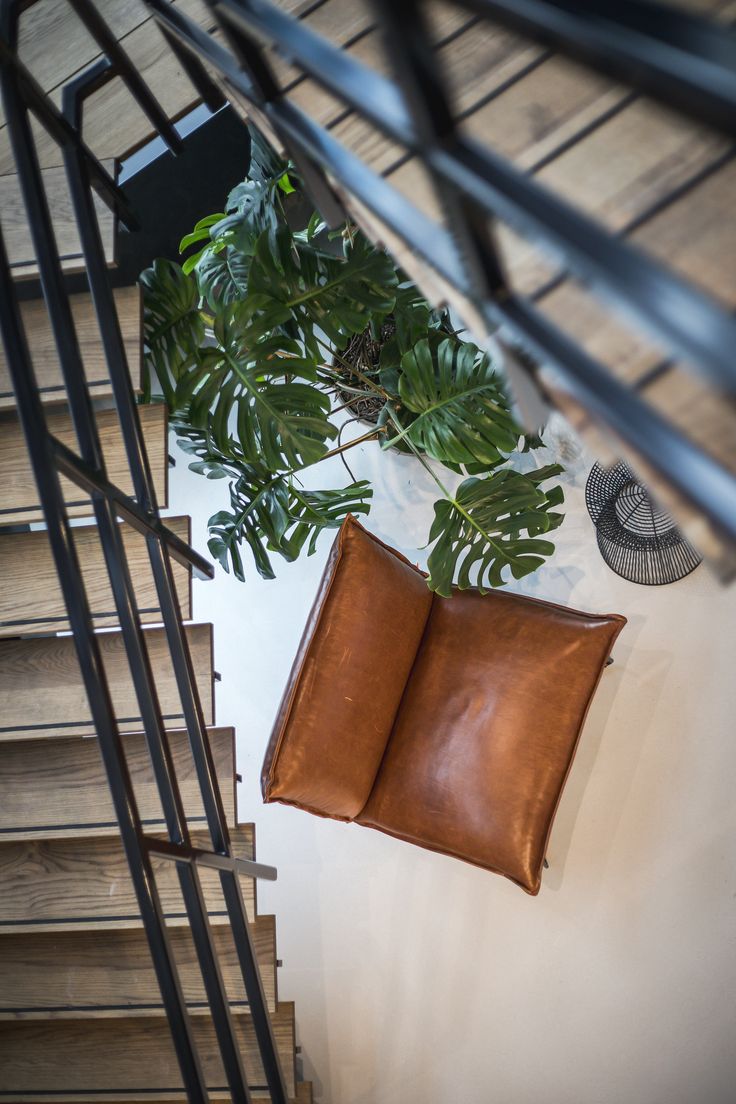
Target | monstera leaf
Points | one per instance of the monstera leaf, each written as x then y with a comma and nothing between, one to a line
222,264
491,524
222,275
458,412
338,296
246,382
275,514
173,325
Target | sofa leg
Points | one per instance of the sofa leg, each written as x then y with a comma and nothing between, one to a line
609,661
545,864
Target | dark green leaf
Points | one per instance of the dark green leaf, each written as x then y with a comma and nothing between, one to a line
461,414
477,534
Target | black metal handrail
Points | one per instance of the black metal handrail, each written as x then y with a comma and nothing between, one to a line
687,320
49,459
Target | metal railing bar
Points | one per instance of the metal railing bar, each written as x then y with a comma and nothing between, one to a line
249,868
216,820
255,62
65,135
93,674
678,57
468,112
417,70
104,305
111,540
188,693
75,469
437,45
156,737
124,68
254,991
347,79
113,550
214,983
695,474
198,42
83,417
665,303
43,240
643,217
211,95
88,81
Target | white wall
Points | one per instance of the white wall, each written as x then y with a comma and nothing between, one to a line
421,980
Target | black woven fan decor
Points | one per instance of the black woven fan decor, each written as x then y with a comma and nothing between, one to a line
637,540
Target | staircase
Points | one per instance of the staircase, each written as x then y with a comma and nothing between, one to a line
120,846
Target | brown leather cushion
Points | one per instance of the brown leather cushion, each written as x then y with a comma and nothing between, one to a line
488,727
448,722
348,677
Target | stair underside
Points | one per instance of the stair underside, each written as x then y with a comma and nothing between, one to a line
58,788
19,503
56,48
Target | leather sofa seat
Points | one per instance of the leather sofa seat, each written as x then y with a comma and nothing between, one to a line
447,722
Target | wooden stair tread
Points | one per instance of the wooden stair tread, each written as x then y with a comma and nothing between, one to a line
18,493
16,231
40,682
58,788
84,883
31,599
48,1055
46,365
73,974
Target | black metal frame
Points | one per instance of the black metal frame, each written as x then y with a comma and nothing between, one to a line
478,187
49,459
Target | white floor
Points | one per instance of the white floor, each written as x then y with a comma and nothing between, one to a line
421,980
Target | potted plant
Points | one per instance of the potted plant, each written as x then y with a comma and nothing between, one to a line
274,331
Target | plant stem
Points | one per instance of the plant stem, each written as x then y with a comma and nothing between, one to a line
449,497
351,444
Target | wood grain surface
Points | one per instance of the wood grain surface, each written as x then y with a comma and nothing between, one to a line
31,599
110,972
18,493
42,692
56,788
138,1054
16,228
84,883
42,347
113,123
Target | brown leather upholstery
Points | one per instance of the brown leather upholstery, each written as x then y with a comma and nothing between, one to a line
348,678
448,722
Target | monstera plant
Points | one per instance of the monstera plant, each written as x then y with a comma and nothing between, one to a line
252,342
